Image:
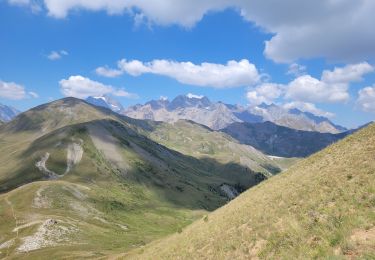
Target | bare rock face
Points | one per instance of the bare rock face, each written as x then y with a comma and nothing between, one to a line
219,115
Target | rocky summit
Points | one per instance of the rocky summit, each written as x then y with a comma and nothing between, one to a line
218,115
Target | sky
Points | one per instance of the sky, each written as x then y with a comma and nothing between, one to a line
318,56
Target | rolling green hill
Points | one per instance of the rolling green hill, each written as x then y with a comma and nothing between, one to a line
81,181
321,208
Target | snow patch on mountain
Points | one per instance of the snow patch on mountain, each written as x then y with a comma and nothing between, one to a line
106,102
190,95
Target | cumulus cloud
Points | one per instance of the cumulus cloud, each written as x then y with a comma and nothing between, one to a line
337,30
366,99
305,90
56,55
231,74
82,87
163,12
310,89
331,88
349,73
264,93
14,91
308,107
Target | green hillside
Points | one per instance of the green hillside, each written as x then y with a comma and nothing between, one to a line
321,208
92,183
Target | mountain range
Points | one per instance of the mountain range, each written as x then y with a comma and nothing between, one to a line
218,115
274,130
7,113
83,181
76,174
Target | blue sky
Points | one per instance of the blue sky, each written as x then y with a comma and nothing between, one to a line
44,47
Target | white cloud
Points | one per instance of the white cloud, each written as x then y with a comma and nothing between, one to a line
124,93
108,72
309,89
162,12
308,107
265,93
349,73
56,55
366,99
81,87
11,90
306,90
331,88
14,91
337,29
231,74
296,69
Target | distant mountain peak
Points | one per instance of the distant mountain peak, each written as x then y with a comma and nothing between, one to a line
7,113
105,101
189,100
218,115
190,95
266,106
158,104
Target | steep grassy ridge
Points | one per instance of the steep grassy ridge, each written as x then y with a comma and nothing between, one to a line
323,207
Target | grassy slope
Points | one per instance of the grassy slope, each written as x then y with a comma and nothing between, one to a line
323,207
106,209
196,140
99,203
27,128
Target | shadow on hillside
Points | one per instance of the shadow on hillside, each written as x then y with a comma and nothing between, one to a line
276,140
